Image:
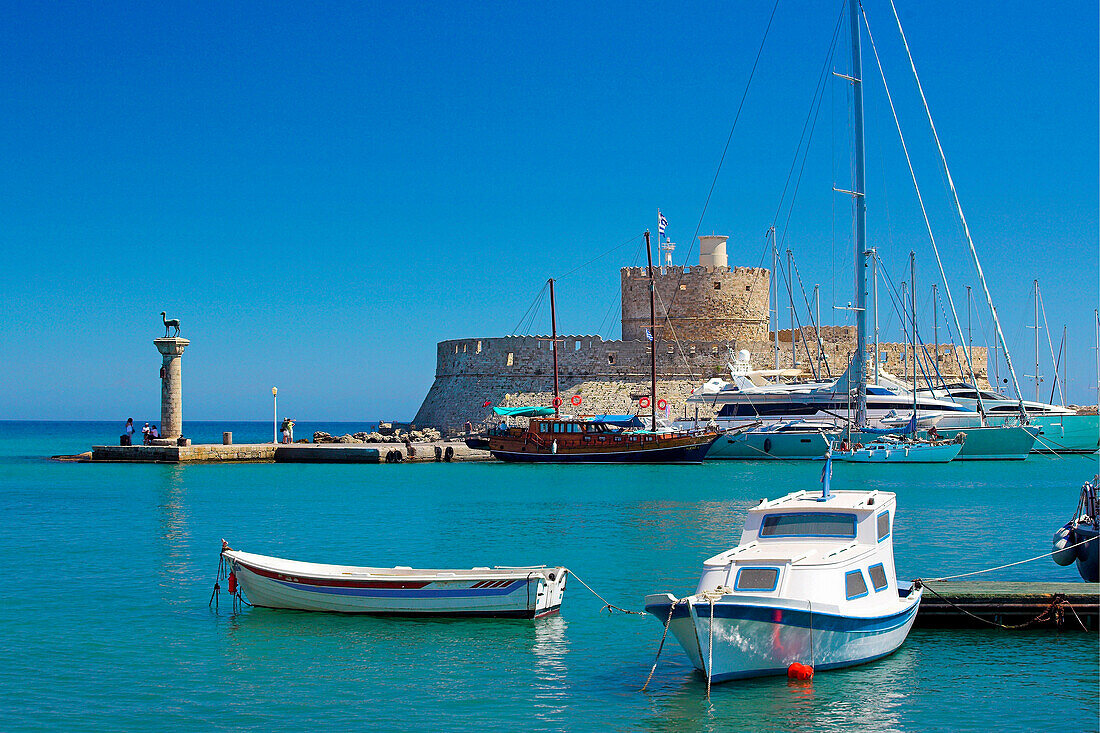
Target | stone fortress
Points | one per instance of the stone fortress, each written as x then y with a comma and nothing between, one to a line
703,312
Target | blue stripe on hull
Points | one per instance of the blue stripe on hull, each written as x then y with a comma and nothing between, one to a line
678,454
788,617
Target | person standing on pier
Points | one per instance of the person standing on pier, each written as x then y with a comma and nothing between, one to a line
128,431
145,434
285,429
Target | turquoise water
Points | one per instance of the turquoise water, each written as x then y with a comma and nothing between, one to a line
109,568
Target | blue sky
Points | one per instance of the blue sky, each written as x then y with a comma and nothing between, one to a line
323,191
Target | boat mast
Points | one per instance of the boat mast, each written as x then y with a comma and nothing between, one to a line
935,328
1036,375
653,338
970,339
913,335
775,300
817,325
790,293
860,357
874,300
554,345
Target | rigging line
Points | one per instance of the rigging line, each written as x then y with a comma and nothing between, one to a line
1057,364
599,256
962,217
819,89
920,200
675,338
813,320
798,322
1054,360
537,299
722,159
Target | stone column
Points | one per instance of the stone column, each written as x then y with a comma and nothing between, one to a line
171,389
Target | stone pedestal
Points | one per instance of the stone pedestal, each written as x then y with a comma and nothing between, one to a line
171,388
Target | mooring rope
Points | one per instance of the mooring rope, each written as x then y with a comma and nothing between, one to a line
1009,565
710,645
668,622
611,607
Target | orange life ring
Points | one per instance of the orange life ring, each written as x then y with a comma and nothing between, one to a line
576,399
643,402
557,402
661,404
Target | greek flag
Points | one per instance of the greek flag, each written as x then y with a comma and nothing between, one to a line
648,335
662,222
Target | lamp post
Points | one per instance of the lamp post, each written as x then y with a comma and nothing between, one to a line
275,413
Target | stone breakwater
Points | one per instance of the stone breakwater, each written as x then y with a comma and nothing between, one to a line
426,435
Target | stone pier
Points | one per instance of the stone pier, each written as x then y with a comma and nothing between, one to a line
171,388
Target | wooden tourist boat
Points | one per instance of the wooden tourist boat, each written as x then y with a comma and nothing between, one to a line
520,592
579,440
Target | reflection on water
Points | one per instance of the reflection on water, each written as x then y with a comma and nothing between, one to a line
175,565
550,649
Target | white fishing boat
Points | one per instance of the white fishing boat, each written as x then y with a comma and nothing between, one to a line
272,582
812,583
889,449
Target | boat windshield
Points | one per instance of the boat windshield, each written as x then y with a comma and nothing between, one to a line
809,524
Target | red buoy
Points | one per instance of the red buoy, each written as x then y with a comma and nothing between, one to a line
576,399
233,584
643,402
799,671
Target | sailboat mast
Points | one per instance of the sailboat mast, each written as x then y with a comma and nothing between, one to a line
1036,340
970,337
817,325
859,359
554,345
653,338
790,294
874,300
913,336
935,327
775,299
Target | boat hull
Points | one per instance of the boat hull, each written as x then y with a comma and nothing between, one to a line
1067,433
766,446
693,452
1088,554
522,594
756,640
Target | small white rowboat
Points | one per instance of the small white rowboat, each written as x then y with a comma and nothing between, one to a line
521,592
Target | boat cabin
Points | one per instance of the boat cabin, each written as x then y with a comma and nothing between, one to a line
803,546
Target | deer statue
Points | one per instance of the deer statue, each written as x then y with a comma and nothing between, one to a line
170,323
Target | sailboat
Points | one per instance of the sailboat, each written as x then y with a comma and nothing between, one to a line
911,449
550,437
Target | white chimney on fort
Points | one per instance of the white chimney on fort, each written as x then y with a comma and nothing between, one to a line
712,250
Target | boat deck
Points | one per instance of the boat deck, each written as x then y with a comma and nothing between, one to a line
1066,606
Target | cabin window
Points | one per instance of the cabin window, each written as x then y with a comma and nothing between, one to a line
717,286
510,358
854,584
883,526
809,524
878,577
544,428
765,579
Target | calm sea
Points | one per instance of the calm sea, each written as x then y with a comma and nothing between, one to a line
105,622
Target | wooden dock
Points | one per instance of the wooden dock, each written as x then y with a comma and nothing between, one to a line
1065,606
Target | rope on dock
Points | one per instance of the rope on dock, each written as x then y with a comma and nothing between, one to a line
607,605
1009,565
1057,606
